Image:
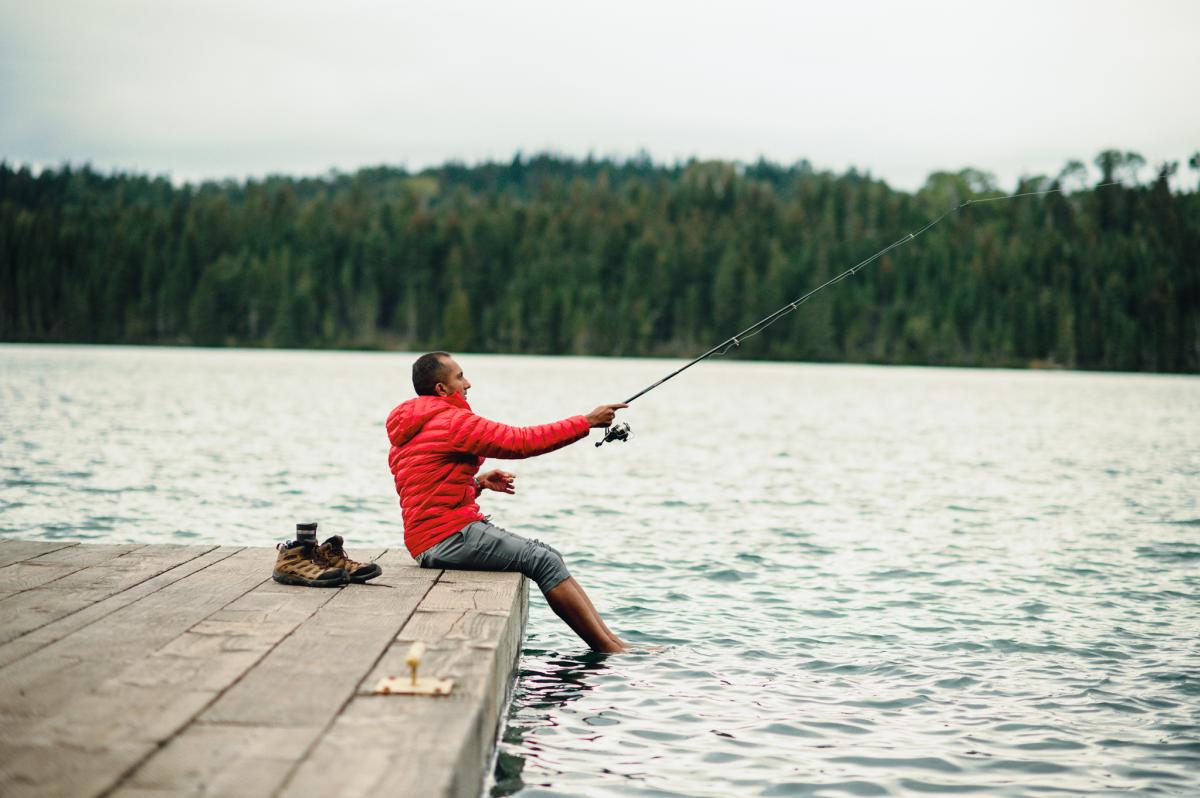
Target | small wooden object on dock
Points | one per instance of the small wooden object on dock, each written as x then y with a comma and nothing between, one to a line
397,685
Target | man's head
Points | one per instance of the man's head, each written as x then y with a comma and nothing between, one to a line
438,374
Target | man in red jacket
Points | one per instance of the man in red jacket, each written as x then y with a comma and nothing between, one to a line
438,445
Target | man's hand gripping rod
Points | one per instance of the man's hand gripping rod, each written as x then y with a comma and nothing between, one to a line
603,416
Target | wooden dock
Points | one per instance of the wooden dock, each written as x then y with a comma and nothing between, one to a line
153,670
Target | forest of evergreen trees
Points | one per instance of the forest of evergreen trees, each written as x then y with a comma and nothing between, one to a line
554,255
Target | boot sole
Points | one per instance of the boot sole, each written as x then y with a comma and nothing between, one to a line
288,579
369,575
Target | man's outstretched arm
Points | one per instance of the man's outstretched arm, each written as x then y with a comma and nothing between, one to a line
485,438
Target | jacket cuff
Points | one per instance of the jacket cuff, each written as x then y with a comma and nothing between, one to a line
582,426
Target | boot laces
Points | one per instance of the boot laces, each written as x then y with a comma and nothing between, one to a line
320,559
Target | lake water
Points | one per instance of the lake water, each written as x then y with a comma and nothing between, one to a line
866,581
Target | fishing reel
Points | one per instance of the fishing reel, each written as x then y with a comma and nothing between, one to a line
616,432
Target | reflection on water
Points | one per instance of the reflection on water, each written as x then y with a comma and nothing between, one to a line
558,679
868,581
549,682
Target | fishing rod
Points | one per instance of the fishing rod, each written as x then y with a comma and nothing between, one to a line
620,432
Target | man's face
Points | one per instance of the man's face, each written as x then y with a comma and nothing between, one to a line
453,380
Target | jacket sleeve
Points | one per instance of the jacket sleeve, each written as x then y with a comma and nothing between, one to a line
478,436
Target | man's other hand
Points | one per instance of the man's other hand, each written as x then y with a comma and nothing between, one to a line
499,481
603,415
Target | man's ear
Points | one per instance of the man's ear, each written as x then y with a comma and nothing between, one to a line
440,389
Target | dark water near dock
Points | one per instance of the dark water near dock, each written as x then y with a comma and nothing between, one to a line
867,581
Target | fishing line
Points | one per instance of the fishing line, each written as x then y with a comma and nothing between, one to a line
620,432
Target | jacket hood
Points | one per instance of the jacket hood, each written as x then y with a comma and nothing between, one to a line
409,417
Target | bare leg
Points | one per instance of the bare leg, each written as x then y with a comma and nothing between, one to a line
570,603
603,625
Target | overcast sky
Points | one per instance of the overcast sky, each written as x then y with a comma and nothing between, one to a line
215,89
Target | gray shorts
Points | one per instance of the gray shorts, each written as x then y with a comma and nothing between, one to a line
483,546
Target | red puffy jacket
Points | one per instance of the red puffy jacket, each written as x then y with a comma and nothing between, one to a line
438,445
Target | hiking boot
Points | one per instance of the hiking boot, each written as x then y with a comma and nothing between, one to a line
333,553
301,563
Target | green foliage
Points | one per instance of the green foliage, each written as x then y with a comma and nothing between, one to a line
552,255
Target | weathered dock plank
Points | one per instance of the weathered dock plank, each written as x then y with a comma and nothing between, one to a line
85,555
43,636
419,745
329,655
40,683
45,568
32,609
282,705
187,671
12,551
63,702
219,759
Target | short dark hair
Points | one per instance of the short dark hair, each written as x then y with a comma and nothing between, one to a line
428,371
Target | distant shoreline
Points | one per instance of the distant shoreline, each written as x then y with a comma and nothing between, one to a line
384,349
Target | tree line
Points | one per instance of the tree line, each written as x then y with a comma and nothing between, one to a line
555,255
